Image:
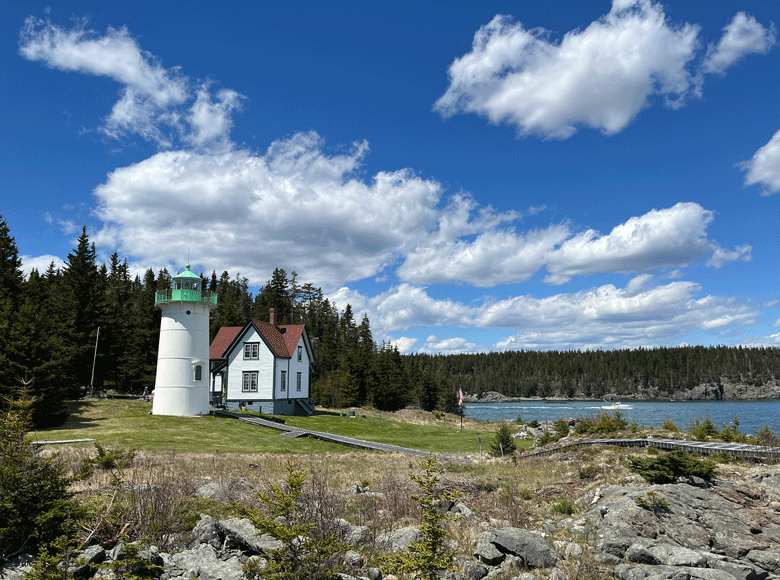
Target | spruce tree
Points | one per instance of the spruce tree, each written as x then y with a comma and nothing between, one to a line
35,505
11,280
429,556
82,302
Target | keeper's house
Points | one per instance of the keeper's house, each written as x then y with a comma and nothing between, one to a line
262,367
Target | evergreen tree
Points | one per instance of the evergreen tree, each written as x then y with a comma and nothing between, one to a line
429,556
11,280
35,504
503,443
305,550
390,391
114,360
81,300
41,356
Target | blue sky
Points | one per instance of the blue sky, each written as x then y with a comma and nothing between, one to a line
475,176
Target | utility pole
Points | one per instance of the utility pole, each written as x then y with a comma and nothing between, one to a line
94,358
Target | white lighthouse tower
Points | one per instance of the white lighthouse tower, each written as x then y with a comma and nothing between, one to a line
181,387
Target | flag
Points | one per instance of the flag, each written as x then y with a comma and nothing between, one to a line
460,397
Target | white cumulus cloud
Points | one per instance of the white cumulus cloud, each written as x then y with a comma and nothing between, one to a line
640,314
744,35
156,102
599,77
764,167
40,263
669,237
295,207
665,238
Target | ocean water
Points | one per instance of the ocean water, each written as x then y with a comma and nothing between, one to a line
753,415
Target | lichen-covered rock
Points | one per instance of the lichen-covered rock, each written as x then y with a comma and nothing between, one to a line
471,570
246,537
529,545
353,535
17,568
654,553
397,540
203,562
487,553
208,531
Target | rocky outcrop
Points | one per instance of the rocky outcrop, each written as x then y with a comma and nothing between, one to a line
717,530
488,397
694,529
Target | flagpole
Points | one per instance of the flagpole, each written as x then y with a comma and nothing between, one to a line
460,404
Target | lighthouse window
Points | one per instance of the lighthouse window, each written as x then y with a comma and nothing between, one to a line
251,351
199,373
250,382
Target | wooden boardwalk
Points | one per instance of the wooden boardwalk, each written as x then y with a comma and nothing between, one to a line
293,432
752,452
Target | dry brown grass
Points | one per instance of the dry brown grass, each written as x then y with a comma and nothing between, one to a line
154,495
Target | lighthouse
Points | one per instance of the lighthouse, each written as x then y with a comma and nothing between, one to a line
181,386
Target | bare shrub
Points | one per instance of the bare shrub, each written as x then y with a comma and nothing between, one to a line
398,501
320,504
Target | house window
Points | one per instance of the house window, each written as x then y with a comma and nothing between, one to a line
284,381
298,382
250,382
198,373
251,350
300,353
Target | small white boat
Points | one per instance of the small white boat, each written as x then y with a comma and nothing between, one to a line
615,405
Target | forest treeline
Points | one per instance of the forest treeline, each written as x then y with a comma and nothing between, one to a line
49,325
596,373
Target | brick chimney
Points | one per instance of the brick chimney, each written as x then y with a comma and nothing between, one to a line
272,315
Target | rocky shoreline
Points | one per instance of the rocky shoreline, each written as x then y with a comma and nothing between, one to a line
723,390
690,530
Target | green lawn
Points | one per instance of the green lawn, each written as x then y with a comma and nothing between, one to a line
127,423
431,438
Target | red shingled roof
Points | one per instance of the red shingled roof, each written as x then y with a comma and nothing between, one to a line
282,340
225,336
292,334
273,337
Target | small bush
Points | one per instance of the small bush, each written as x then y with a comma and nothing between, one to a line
589,472
703,430
603,423
133,566
503,443
53,561
653,502
723,458
534,423
36,507
486,486
545,439
564,506
669,425
767,437
525,494
428,556
561,427
305,553
666,468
